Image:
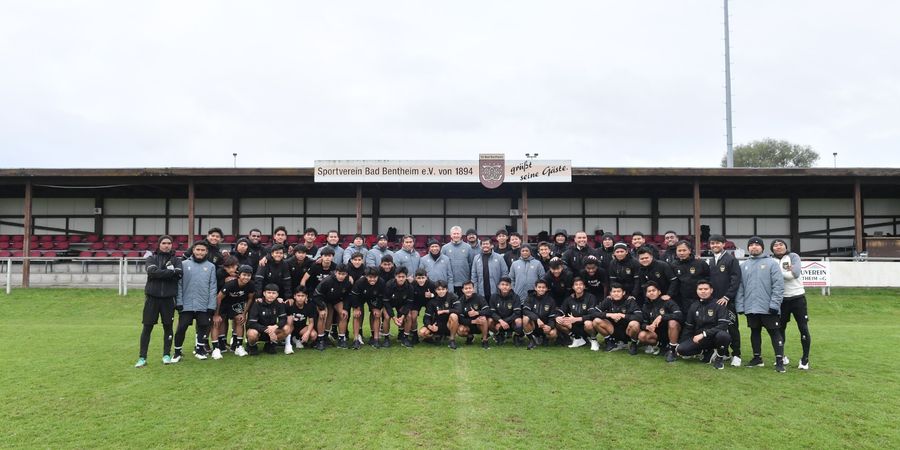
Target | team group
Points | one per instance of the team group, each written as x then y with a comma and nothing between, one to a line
627,294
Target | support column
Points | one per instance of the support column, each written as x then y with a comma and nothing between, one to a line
190,206
697,243
654,216
26,250
236,216
358,209
858,216
98,218
525,213
795,225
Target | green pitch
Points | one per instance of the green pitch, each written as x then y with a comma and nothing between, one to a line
68,381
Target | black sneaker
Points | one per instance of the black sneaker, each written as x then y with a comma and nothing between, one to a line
485,345
707,357
632,348
531,344
320,345
415,338
610,345
252,349
452,344
779,366
517,340
386,342
756,362
499,338
269,348
373,342
356,345
342,342
404,341
718,362
469,339
670,356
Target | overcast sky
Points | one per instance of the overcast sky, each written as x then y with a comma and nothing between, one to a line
603,83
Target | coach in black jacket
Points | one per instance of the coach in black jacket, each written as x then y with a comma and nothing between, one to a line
725,277
163,273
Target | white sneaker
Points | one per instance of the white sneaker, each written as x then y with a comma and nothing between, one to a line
240,351
176,359
298,344
200,356
578,342
288,349
802,366
595,346
217,354
736,361
785,360
649,349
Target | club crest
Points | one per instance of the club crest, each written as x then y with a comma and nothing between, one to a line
491,169
693,270
709,312
721,268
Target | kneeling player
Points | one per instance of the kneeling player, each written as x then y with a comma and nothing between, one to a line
233,300
506,312
706,327
616,317
539,315
303,316
441,315
267,321
660,324
476,315
575,316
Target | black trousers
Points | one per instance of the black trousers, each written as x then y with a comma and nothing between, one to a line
714,340
185,319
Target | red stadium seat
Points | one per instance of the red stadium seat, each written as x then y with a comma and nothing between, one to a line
35,253
127,246
142,246
46,245
74,239
60,238
293,239
92,238
4,238
61,245
230,239
320,239
18,238
133,255
179,254
16,245
5,254
85,254
96,246
34,245
46,238
18,254
116,254
50,254
264,239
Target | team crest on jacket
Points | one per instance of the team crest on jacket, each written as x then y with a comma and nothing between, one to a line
693,270
546,308
628,270
509,305
721,268
709,312
658,275
491,169
662,311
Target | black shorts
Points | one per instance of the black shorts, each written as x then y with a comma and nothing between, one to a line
466,320
796,306
202,318
417,305
619,330
767,321
443,329
159,308
231,310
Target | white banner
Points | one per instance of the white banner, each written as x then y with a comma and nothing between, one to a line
438,171
816,273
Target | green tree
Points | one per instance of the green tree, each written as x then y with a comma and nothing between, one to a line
772,153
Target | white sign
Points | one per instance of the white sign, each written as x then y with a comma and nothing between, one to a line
438,171
816,273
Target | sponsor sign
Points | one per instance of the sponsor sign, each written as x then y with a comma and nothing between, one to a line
489,170
816,273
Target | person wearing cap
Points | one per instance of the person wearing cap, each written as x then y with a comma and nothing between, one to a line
232,301
195,299
276,272
502,238
688,270
725,278
524,272
472,239
357,246
506,313
487,269
330,295
458,252
574,256
373,256
332,241
436,264
560,242
407,256
163,272
670,238
515,247
267,321
794,300
623,269
596,280
759,298
706,328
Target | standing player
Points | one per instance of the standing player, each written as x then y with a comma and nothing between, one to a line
441,315
706,327
374,255
539,315
331,295
487,269
515,248
213,238
616,317
559,280
458,253
357,246
659,272
407,256
267,321
574,256
524,272
669,254
276,272
196,299
233,300
725,278
560,242
596,280
574,317
544,255
660,324
332,241
436,264
163,272
759,297
318,271
623,269
689,271
476,313
794,301
506,312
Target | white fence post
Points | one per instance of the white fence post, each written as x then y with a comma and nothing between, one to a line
120,276
9,275
125,278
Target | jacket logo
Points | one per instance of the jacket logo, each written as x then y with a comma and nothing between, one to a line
662,311
584,306
509,305
693,270
628,270
721,268
762,267
709,312
546,307
658,275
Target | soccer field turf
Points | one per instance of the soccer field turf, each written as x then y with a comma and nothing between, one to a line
68,381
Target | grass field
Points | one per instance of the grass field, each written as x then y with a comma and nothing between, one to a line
68,381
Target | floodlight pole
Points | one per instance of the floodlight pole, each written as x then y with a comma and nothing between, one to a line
730,152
